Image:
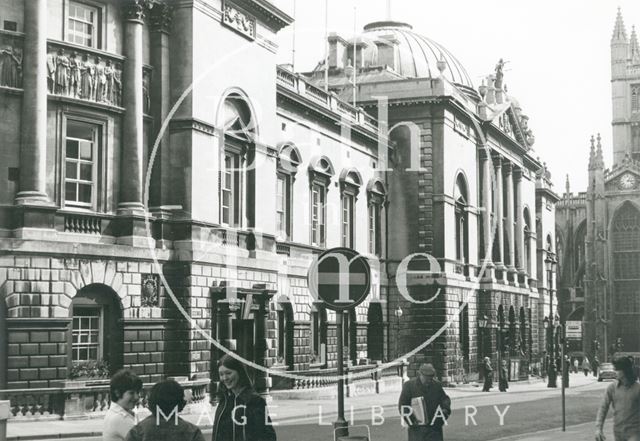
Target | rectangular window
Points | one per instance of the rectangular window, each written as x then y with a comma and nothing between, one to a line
230,179
347,220
318,218
85,334
635,98
83,23
283,198
81,164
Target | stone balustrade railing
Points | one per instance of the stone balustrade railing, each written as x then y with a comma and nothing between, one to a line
330,101
319,378
80,399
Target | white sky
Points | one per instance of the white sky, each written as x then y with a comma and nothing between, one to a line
558,53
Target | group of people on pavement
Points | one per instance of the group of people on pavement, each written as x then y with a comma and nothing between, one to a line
503,377
241,414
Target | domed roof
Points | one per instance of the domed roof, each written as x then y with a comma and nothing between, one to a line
417,55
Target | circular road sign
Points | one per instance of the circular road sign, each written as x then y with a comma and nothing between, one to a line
340,277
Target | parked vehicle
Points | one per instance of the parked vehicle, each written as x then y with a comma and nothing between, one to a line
606,372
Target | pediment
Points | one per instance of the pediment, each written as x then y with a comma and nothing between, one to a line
511,124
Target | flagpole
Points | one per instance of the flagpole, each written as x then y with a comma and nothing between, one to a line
355,45
293,50
326,45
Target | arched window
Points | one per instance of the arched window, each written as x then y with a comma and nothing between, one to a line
350,182
626,274
96,331
320,173
461,201
239,134
523,332
285,334
559,255
289,159
635,98
581,237
376,195
502,330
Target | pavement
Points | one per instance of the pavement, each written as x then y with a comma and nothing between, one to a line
580,432
298,411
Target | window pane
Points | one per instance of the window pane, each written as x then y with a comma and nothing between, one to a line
86,152
80,130
70,191
85,172
71,171
72,148
84,193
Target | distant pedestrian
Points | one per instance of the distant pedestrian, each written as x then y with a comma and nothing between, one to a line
596,365
488,375
425,394
241,414
565,372
503,381
166,400
124,388
576,364
586,366
624,396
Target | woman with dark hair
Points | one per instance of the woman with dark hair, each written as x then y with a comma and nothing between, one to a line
241,414
166,400
624,395
124,389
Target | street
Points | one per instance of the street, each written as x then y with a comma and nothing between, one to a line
476,416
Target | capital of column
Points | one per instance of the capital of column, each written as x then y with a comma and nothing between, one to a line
485,153
508,167
160,18
135,10
497,160
517,173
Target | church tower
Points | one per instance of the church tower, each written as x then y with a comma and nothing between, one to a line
625,91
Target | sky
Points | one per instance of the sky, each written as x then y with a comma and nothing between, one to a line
558,53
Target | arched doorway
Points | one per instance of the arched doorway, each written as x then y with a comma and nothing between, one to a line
285,334
96,328
375,332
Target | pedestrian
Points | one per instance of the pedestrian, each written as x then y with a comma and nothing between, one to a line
586,366
166,400
576,363
124,389
624,396
596,365
503,381
434,403
488,375
565,372
241,414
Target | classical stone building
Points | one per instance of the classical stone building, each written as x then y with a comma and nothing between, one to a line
598,231
249,176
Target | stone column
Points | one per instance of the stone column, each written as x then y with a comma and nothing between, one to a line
160,25
33,149
263,381
498,211
517,175
131,173
510,224
487,231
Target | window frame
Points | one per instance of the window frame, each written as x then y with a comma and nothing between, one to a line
376,200
99,169
100,329
320,173
99,23
347,225
287,167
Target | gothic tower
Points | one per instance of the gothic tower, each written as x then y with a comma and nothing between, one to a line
625,92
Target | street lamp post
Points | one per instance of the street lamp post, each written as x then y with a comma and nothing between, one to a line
398,313
550,325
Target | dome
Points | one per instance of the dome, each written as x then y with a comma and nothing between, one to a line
416,56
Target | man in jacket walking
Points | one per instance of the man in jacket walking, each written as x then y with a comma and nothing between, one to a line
424,394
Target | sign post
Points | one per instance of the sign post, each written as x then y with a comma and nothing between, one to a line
341,278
